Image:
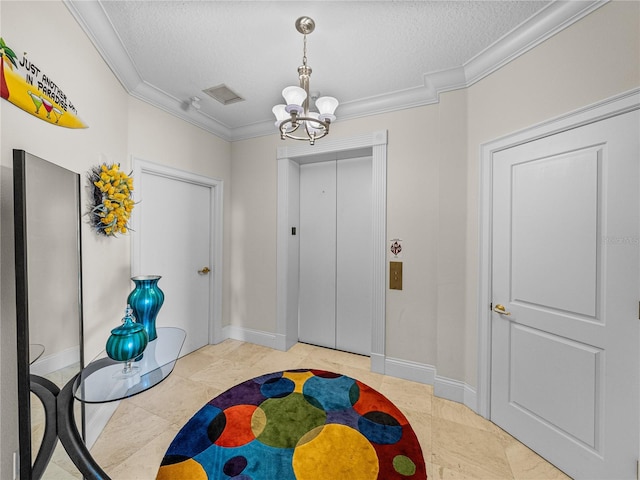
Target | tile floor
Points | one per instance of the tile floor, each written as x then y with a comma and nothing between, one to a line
457,443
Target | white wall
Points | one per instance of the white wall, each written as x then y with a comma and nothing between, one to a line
413,201
592,60
187,148
253,234
432,195
119,127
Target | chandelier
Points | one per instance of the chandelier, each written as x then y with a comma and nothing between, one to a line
294,120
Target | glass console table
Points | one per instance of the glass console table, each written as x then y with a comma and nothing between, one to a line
99,382
35,352
102,380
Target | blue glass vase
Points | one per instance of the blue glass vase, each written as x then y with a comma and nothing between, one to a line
127,341
146,300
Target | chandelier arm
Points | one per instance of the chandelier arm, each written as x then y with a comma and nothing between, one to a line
323,129
284,133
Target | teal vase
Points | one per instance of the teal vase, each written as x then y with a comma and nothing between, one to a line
146,299
128,340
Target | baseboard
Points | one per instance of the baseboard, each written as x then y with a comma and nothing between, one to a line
258,337
57,361
377,363
281,343
455,390
443,387
407,370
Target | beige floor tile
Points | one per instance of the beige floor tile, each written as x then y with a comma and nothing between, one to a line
60,466
456,412
421,424
467,450
57,472
302,349
193,363
527,465
438,472
176,399
248,354
321,363
339,358
406,394
457,443
221,349
144,464
276,361
222,374
129,429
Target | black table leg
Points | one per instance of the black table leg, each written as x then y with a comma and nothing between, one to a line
61,424
47,392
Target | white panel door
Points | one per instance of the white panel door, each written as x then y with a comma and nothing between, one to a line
175,228
565,370
317,295
354,246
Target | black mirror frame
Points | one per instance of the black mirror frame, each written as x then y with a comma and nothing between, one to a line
27,383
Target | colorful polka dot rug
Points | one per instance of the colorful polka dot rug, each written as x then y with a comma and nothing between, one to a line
296,424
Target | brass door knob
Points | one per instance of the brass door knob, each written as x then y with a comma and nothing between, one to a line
501,310
204,271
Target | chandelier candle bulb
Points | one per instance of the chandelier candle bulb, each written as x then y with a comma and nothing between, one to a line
314,127
327,106
295,97
280,112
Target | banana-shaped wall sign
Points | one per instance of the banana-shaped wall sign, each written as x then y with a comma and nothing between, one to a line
28,88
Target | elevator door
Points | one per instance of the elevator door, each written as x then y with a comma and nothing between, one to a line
335,254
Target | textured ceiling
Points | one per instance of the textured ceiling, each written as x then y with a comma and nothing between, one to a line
374,56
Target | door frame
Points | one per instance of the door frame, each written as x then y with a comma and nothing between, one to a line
287,259
616,105
141,167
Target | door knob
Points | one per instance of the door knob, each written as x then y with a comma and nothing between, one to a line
501,310
204,271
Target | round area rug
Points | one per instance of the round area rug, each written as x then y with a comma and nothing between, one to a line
296,424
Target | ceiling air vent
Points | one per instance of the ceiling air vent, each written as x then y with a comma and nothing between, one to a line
223,94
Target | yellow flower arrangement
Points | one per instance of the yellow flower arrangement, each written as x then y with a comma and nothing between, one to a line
112,202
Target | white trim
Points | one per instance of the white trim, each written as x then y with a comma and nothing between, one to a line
216,234
455,390
287,249
408,370
444,387
374,144
547,22
257,337
607,108
470,397
532,32
377,362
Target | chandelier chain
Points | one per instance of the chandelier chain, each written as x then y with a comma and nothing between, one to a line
304,51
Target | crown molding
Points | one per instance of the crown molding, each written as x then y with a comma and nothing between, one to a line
96,24
554,18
